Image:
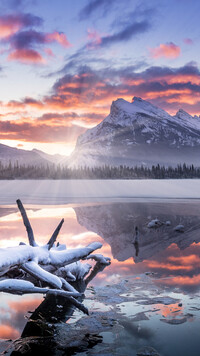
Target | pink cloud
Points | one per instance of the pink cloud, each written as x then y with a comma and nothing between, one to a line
27,45
59,37
26,56
167,50
7,29
10,24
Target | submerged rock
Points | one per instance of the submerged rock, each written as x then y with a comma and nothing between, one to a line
179,228
147,351
168,223
154,223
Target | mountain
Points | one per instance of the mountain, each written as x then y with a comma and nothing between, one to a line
34,157
56,158
139,133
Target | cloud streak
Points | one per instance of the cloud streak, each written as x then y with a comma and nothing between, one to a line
39,132
126,33
92,6
95,89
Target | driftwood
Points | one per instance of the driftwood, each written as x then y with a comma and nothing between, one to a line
45,269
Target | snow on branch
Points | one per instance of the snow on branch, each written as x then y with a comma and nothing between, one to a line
99,258
47,269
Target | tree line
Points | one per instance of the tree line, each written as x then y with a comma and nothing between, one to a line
51,171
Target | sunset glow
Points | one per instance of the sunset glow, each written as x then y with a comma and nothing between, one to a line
62,65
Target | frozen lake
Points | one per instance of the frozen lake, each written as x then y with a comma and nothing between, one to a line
67,191
147,298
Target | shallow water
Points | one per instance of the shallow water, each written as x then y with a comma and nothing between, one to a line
148,296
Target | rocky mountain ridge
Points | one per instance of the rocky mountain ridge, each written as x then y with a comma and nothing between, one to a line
139,133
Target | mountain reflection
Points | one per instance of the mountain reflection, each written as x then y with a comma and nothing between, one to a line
173,257
162,250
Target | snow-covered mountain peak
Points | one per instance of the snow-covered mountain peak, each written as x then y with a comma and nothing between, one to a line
137,106
139,132
150,109
187,120
119,104
182,114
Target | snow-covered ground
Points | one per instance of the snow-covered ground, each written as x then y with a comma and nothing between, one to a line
69,191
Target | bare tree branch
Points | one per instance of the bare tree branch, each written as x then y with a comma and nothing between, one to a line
26,223
55,234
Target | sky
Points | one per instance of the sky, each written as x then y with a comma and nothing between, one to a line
63,62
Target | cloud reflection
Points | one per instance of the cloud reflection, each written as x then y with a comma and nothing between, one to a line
174,258
12,314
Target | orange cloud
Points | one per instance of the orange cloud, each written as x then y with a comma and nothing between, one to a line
185,260
184,280
7,29
165,93
22,306
167,50
8,332
169,310
159,265
195,79
189,99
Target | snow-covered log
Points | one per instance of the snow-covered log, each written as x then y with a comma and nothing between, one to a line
19,286
39,273
74,271
18,255
46,269
67,286
60,258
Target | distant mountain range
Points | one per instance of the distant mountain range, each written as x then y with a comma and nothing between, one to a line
34,157
132,134
139,133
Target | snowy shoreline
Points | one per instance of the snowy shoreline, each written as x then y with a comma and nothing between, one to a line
55,192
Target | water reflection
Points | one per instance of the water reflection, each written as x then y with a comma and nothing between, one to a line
171,256
13,313
162,250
